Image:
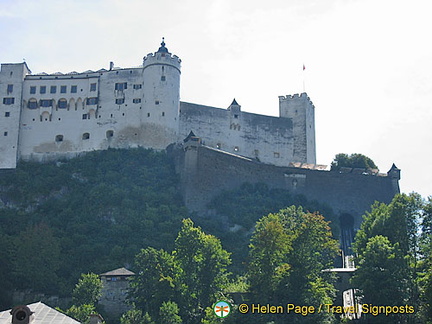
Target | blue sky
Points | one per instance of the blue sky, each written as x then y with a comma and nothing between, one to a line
368,63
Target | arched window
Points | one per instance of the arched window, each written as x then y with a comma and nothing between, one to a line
32,104
86,136
62,103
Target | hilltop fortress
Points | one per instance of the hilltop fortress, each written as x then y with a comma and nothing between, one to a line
48,116
45,116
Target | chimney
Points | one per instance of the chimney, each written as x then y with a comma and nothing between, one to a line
21,315
111,66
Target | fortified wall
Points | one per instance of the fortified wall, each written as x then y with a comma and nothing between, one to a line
205,172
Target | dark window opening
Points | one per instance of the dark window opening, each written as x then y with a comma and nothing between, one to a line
59,138
63,89
85,116
32,90
32,104
157,102
163,78
74,89
8,101
53,89
109,134
5,134
121,86
42,89
46,103
9,88
92,101
86,136
92,86
62,103
7,114
120,101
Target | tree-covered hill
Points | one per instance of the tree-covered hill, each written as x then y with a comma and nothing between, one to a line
94,213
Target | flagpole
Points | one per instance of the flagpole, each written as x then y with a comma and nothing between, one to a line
304,68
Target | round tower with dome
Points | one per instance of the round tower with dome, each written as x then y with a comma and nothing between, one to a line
161,95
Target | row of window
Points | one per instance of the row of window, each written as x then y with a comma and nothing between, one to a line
63,89
61,103
59,138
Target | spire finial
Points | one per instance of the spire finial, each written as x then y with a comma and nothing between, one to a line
163,49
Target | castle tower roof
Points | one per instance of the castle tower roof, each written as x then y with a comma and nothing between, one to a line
162,49
234,103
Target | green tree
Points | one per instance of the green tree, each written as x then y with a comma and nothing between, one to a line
355,160
425,264
380,275
203,263
168,313
288,252
88,290
154,282
135,316
81,312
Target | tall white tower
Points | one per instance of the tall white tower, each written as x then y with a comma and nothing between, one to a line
161,96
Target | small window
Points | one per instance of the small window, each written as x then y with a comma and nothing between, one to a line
5,134
63,89
92,86
46,103
32,104
276,155
85,116
119,101
136,100
218,145
157,102
9,88
235,116
62,103
74,89
163,113
137,86
109,133
92,101
8,101
120,86
236,148
53,89
59,138
42,89
148,114
7,114
163,78
32,90
86,136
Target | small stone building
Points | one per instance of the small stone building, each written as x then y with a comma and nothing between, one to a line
114,291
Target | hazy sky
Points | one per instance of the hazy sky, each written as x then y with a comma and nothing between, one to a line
368,63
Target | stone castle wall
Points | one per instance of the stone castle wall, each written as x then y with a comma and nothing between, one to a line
206,172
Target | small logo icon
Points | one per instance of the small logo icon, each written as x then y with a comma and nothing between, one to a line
222,309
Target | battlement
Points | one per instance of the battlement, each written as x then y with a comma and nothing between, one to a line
296,97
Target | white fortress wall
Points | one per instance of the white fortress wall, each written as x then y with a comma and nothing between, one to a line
265,138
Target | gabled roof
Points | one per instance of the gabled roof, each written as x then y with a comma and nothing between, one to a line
119,272
43,314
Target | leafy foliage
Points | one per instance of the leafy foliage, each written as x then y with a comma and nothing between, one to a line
88,214
192,276
238,210
288,252
389,254
355,160
88,290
